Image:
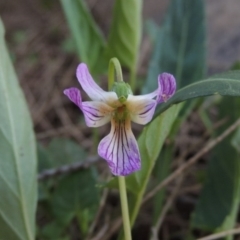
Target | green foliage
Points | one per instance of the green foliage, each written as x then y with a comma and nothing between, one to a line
76,196
71,196
88,38
179,48
18,156
150,143
59,152
218,204
125,32
179,45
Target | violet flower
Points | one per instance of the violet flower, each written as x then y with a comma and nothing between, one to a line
119,148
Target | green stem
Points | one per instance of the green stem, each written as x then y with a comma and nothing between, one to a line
124,204
114,66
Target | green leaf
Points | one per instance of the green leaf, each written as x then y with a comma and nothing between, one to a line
150,143
88,37
18,163
60,152
225,84
64,151
220,190
180,45
125,32
51,231
219,201
151,140
74,195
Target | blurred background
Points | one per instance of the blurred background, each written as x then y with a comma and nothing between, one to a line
45,60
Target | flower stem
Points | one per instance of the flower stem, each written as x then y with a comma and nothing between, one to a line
114,66
124,204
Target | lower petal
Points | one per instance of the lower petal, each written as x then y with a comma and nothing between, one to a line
119,148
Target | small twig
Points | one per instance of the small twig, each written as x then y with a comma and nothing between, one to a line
98,214
192,160
221,234
102,232
114,227
67,168
169,202
165,209
53,132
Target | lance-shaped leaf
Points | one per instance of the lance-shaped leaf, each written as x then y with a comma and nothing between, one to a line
125,33
225,84
180,44
18,186
88,37
150,144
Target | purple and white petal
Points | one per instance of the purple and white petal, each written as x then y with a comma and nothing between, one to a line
74,95
140,108
119,148
91,88
96,114
166,87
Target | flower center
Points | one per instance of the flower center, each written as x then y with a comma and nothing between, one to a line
120,113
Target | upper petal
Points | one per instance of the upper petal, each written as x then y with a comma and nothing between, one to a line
91,88
141,108
166,87
96,114
119,148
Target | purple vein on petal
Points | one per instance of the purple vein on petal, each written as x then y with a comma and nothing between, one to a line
96,113
167,87
116,149
74,95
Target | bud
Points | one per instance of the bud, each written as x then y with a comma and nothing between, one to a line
122,90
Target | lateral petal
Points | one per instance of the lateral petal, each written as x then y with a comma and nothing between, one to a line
91,88
74,95
141,108
119,148
96,114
